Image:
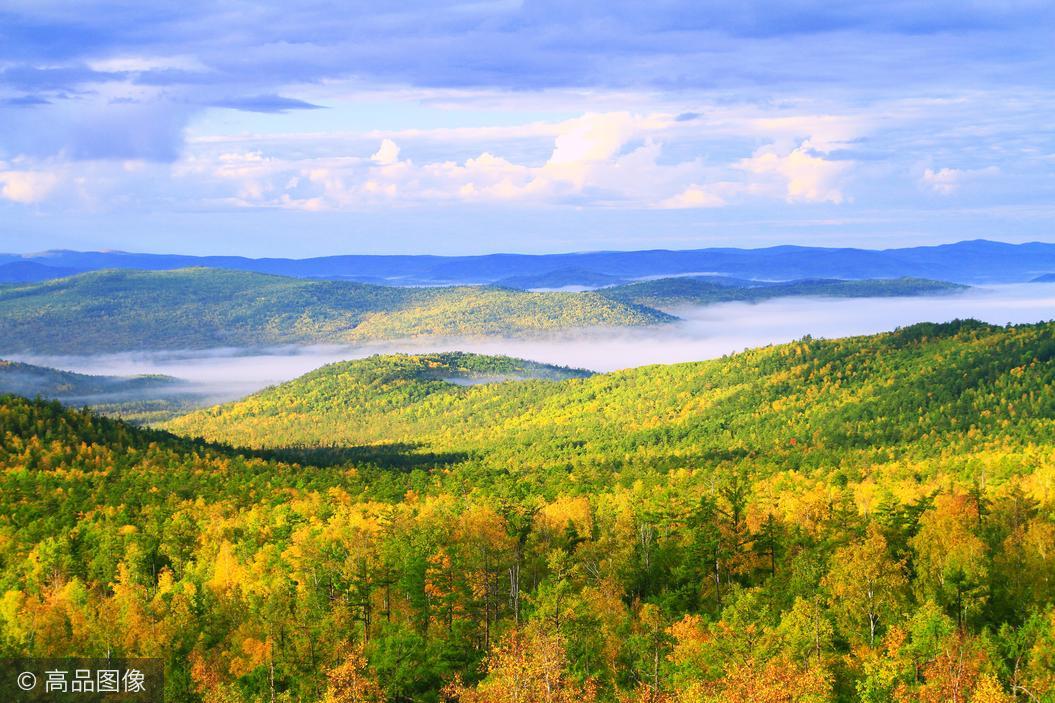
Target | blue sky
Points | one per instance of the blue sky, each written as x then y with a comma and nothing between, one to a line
469,127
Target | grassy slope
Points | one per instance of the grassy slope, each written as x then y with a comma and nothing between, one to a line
200,308
810,403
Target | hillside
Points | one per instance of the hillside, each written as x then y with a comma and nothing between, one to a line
111,311
864,519
805,404
148,398
688,290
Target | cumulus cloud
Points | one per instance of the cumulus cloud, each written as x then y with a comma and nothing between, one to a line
387,153
594,137
617,159
807,175
608,159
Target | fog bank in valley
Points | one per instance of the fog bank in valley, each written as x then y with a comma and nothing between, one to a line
704,333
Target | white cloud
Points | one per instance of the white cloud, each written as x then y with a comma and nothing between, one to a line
592,137
807,175
27,186
946,181
614,159
387,154
694,196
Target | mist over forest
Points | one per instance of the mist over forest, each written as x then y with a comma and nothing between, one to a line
703,332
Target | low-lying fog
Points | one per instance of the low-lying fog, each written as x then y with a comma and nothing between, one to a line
704,333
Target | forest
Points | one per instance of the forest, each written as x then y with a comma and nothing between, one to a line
861,519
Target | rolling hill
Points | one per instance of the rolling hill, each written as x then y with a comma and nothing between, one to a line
201,308
815,403
122,310
18,378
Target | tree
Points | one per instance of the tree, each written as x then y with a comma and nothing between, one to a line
951,560
528,666
352,682
865,586
806,631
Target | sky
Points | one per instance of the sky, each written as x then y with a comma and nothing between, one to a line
314,128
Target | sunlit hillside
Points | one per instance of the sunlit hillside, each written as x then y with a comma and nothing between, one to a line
926,392
857,519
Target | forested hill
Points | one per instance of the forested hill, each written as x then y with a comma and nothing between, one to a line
865,520
143,398
18,378
110,311
692,290
916,391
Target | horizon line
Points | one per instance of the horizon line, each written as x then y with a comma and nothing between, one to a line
49,252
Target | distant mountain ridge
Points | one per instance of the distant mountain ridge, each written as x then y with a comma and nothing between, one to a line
31,272
976,261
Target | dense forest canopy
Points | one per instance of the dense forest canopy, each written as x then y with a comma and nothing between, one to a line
810,404
866,519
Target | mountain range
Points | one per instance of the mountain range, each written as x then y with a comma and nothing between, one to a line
977,261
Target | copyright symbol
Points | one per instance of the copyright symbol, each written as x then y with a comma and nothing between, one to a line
27,680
